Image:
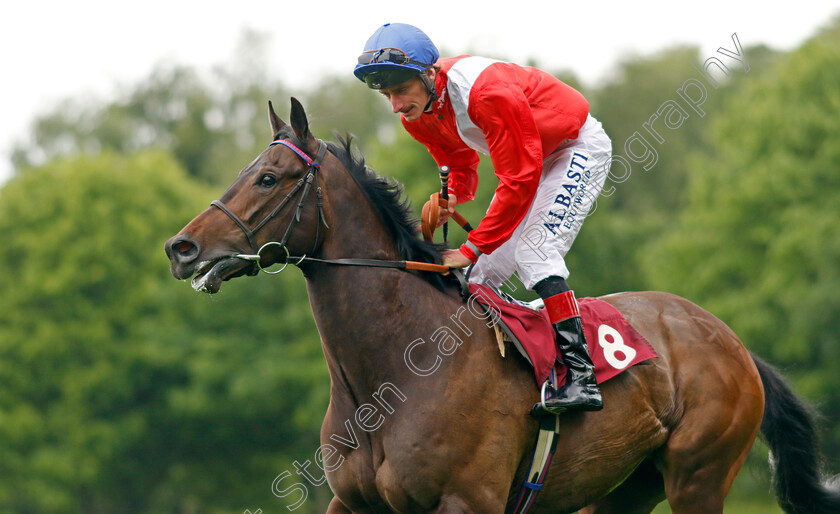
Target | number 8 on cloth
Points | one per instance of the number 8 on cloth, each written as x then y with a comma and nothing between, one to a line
613,344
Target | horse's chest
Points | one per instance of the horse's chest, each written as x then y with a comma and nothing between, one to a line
364,487
369,477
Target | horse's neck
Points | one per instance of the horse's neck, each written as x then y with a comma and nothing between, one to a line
356,230
357,309
366,321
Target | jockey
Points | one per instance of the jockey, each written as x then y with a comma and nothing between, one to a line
550,157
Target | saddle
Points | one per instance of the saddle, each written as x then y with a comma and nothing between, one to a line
614,344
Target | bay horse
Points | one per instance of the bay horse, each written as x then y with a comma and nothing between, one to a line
460,438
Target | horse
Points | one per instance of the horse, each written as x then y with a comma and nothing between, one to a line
458,437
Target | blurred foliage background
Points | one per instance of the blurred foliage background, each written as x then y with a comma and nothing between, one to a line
122,390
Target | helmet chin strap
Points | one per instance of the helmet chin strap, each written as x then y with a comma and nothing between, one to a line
430,87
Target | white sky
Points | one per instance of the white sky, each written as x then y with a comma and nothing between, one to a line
52,50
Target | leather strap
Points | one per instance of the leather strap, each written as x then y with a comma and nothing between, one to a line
540,463
375,263
305,183
230,214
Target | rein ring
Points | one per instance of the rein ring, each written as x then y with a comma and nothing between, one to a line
259,257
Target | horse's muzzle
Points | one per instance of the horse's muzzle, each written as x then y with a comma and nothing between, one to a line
182,252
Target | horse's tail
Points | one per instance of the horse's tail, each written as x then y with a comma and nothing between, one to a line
789,430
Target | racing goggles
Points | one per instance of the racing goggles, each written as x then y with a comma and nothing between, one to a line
392,55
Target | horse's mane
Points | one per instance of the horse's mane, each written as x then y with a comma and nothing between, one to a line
385,195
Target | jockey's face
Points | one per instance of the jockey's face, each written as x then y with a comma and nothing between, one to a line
409,98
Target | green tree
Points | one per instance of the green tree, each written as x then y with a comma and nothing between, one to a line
644,204
631,99
124,391
757,242
640,85
346,105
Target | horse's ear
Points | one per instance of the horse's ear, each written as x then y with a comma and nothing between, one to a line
299,122
276,122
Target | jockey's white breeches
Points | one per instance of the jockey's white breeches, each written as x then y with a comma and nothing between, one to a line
571,182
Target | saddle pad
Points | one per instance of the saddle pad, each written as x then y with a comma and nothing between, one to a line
613,344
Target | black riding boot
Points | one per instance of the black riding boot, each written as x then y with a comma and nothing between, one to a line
580,392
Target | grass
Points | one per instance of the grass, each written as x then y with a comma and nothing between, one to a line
735,506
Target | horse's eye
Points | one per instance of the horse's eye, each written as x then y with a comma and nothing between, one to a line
268,180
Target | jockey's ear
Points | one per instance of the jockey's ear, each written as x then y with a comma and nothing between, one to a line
274,120
299,122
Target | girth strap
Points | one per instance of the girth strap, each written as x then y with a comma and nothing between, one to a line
540,462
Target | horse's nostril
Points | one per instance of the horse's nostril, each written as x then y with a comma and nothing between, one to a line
185,248
181,250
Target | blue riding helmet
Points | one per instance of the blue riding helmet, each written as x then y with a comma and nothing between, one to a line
396,52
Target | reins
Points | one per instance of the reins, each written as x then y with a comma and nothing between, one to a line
304,185
370,263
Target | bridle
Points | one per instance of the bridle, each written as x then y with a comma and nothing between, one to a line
305,184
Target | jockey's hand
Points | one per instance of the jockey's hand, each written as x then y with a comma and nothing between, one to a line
444,214
455,259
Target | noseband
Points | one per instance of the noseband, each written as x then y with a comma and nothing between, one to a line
304,183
